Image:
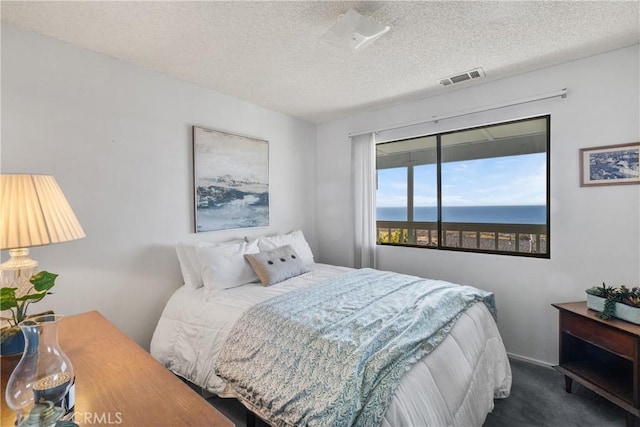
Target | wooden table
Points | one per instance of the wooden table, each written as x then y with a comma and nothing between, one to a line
117,382
602,355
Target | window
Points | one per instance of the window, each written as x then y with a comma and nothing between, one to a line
484,189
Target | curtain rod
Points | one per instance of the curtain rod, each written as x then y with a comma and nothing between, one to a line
435,119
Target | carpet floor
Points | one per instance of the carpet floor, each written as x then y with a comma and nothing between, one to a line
537,399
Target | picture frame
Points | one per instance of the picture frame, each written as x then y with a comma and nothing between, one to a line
610,165
231,180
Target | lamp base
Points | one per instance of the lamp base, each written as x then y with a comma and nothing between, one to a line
16,272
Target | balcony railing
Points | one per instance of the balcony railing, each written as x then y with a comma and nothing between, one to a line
484,237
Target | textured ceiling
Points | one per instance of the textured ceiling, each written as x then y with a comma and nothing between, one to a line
272,53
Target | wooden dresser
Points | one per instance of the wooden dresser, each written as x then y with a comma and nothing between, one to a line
117,382
602,355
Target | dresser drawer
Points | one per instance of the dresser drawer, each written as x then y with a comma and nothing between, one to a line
600,335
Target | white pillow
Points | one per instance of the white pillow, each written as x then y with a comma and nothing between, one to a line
223,266
189,264
295,239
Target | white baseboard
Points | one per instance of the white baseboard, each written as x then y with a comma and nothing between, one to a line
529,360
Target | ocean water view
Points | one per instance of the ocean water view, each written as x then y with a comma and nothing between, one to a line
535,214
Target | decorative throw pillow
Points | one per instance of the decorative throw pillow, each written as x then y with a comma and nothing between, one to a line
223,266
295,239
276,265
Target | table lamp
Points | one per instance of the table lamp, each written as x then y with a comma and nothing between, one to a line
33,212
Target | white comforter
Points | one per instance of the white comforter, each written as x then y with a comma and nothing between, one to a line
453,385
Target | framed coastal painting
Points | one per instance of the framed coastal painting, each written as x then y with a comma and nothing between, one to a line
610,165
231,180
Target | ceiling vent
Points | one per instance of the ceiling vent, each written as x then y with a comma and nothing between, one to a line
467,75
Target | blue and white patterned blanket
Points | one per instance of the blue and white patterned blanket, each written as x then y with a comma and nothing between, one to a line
333,354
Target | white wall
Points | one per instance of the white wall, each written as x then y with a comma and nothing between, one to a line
117,138
595,233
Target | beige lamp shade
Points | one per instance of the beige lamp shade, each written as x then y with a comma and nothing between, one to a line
34,212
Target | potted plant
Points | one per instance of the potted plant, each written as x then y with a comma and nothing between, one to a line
11,338
609,301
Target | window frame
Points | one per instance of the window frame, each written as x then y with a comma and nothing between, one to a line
439,222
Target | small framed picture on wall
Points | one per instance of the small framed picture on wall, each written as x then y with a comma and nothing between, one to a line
610,165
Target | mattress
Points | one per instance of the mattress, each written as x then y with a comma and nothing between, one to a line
453,385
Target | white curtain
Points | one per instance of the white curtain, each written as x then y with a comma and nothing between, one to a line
363,155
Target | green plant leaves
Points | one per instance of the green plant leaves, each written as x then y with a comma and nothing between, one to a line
613,295
33,297
8,298
43,281
609,309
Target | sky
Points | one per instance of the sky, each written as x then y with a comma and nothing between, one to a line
499,181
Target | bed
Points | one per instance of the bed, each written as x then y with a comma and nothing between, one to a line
454,384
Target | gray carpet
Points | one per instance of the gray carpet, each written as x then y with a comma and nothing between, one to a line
538,399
